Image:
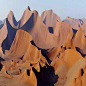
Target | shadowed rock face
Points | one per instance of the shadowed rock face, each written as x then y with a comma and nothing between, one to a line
43,52
26,15
14,21
1,59
78,50
1,66
19,45
29,8
10,37
48,72
81,21
29,24
32,42
74,31
28,72
3,33
50,29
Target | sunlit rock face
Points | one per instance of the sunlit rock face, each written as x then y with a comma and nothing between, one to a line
49,18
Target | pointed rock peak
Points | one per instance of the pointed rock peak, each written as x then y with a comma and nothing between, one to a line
12,19
80,30
80,33
70,35
10,13
50,18
28,8
51,10
25,17
68,17
35,12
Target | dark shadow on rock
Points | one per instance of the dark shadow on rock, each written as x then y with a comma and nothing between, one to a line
28,72
43,52
69,47
6,44
50,29
46,76
29,8
22,57
14,21
78,49
1,66
65,48
81,21
74,30
29,24
1,59
32,42
44,20
82,72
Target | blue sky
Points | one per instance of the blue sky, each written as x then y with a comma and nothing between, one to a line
63,8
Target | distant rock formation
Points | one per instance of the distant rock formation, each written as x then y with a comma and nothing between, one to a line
49,18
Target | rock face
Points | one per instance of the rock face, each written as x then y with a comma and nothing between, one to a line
49,18
59,30
80,40
20,44
3,33
12,20
42,51
6,44
76,23
38,30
